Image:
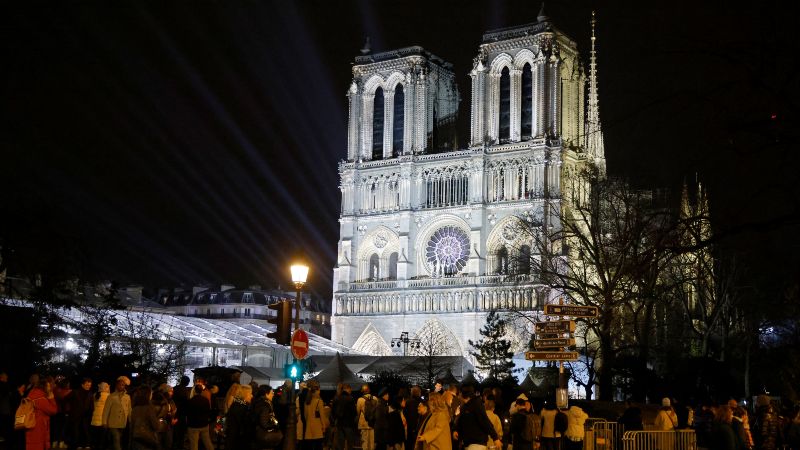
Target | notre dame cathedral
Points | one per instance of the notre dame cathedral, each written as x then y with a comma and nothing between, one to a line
430,237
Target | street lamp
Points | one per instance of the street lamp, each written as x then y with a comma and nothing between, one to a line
299,277
405,340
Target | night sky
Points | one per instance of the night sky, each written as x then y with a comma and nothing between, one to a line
178,143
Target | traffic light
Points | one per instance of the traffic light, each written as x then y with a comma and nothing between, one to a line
282,321
294,371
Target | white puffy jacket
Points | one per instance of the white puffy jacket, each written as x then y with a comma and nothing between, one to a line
576,418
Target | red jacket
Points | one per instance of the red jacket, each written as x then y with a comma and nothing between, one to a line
38,437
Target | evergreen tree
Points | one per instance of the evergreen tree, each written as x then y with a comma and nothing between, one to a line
493,351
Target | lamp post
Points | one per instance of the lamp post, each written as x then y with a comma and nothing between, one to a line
405,340
299,277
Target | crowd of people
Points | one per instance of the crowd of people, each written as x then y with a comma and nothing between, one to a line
249,416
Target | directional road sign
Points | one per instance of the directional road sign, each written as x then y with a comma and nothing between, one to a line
550,343
555,326
570,310
299,343
551,356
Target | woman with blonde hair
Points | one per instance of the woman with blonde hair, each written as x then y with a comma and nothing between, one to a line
238,425
313,420
434,431
232,392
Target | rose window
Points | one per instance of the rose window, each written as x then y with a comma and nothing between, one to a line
447,251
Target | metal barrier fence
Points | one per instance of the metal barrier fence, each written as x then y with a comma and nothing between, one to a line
659,440
602,435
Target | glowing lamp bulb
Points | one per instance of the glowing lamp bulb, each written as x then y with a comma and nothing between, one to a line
299,273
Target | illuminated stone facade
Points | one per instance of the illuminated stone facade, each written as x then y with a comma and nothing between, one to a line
430,234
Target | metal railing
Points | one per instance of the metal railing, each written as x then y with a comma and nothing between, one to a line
659,440
604,435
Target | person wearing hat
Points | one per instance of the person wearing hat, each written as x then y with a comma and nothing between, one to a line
513,408
666,420
523,435
117,412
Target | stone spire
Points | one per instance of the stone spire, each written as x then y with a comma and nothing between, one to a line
594,132
542,16
367,47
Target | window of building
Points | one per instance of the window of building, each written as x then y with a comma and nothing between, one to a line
247,297
505,105
502,261
377,125
393,266
526,127
247,312
397,121
524,260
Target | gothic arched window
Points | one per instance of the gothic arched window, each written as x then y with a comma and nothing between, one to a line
502,261
397,121
505,105
524,260
393,266
526,118
374,267
377,125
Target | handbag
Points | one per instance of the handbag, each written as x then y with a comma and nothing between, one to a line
270,436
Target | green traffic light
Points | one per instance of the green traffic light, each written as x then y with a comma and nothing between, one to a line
293,372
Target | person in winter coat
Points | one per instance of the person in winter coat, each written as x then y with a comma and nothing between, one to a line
367,432
631,418
741,427
412,417
344,414
166,412
44,404
472,423
550,437
382,419
144,423
263,415
238,421
519,424
117,412
497,424
313,420
80,406
576,417
434,430
398,426
97,431
722,435
766,429
198,416
666,420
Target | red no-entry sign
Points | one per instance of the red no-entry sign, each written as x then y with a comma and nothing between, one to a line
299,344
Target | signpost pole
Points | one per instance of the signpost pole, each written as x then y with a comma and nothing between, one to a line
561,393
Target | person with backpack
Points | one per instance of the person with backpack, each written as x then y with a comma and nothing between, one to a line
344,414
365,410
574,434
43,401
523,430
